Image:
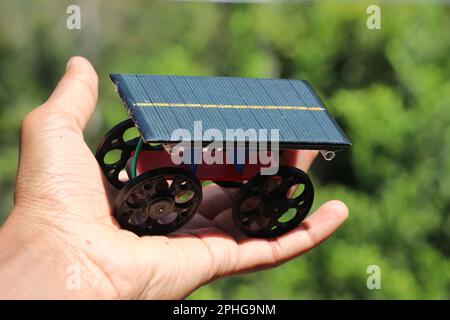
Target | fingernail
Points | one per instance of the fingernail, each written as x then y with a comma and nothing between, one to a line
69,63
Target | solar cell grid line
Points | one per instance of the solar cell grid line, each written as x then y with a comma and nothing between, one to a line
156,95
324,120
174,117
283,89
223,95
278,94
180,114
161,88
311,117
280,90
213,114
197,100
159,127
339,133
261,116
175,83
128,92
221,122
206,112
150,86
247,113
307,93
273,118
281,121
170,95
187,96
217,95
293,85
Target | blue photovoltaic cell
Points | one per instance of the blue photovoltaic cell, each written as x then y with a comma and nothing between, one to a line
161,104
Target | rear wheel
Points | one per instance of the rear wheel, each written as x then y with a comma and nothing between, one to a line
115,150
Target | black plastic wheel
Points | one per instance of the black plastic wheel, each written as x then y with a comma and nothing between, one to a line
158,202
114,140
268,206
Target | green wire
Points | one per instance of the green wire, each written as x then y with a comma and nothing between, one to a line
135,158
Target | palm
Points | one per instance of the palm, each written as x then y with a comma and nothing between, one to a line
60,178
209,246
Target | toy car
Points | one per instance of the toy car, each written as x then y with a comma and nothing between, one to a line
189,118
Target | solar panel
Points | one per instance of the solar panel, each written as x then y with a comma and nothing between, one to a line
161,104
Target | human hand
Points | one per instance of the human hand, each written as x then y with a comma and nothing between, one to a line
62,218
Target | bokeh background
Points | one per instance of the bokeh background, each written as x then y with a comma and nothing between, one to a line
388,88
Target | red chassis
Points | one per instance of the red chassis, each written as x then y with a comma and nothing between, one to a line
153,159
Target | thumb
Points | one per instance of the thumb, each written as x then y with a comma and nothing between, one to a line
76,93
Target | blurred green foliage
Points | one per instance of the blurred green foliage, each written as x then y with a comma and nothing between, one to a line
389,88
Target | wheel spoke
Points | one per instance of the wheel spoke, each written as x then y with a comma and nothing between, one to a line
150,223
118,143
286,184
131,143
270,186
250,214
292,203
273,222
175,186
259,223
304,196
137,217
161,185
179,209
250,203
136,204
183,206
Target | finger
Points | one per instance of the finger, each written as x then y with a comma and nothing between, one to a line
262,253
217,199
77,91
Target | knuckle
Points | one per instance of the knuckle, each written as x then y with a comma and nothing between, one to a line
30,119
46,119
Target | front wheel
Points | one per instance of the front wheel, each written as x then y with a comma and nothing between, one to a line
269,206
158,202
